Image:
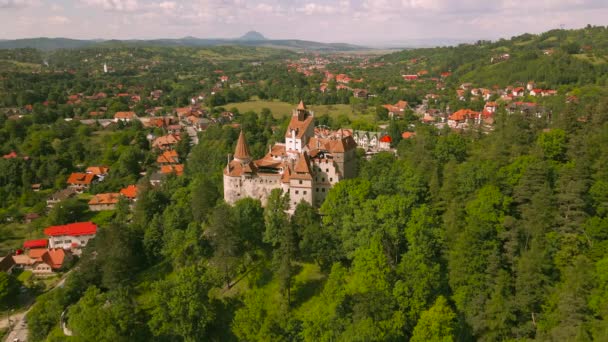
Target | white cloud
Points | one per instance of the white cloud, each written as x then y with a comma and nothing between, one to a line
16,3
168,5
312,8
58,20
114,5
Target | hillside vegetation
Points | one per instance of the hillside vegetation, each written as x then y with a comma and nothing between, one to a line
494,232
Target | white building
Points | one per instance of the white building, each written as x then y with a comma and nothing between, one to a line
71,236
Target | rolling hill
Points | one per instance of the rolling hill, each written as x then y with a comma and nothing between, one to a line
251,39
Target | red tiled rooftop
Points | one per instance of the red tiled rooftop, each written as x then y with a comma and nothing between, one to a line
40,243
73,229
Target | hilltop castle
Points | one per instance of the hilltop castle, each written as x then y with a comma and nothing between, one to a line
306,166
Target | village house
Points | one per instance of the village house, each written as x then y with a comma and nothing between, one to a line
367,140
99,171
397,110
166,142
81,182
71,236
59,196
39,243
536,92
125,116
168,157
461,118
130,193
107,201
530,85
385,142
177,169
306,166
360,93
7,264
518,91
42,262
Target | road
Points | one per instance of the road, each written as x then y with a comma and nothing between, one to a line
193,135
19,330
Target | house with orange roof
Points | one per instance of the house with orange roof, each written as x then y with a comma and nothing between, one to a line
98,170
168,157
42,262
460,118
396,110
130,192
166,142
178,169
81,182
107,201
125,116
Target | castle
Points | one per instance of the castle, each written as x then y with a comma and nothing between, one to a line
306,166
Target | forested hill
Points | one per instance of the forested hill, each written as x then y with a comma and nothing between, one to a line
492,232
557,57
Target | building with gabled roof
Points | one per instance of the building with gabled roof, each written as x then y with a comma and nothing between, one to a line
80,181
73,235
130,192
306,166
107,201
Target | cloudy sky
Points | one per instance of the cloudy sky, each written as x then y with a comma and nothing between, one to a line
352,21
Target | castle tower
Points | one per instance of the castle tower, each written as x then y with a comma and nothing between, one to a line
301,111
241,153
300,129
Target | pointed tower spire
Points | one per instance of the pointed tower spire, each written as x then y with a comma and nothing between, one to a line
241,153
301,106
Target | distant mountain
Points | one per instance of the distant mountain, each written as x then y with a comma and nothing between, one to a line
251,39
253,35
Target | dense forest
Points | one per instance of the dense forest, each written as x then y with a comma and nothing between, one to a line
497,235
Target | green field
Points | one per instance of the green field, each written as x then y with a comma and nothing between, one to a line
13,234
280,109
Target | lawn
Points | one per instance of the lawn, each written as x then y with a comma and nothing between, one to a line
13,234
280,109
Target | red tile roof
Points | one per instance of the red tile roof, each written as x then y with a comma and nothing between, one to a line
124,115
11,155
72,229
98,170
41,243
109,198
386,139
79,178
463,114
129,192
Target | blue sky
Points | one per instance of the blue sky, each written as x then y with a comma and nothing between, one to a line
351,21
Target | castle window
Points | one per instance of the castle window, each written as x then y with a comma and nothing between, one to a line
331,179
304,192
326,170
323,190
317,189
297,192
300,182
323,179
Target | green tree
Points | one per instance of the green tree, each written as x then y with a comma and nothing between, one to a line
182,307
438,323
